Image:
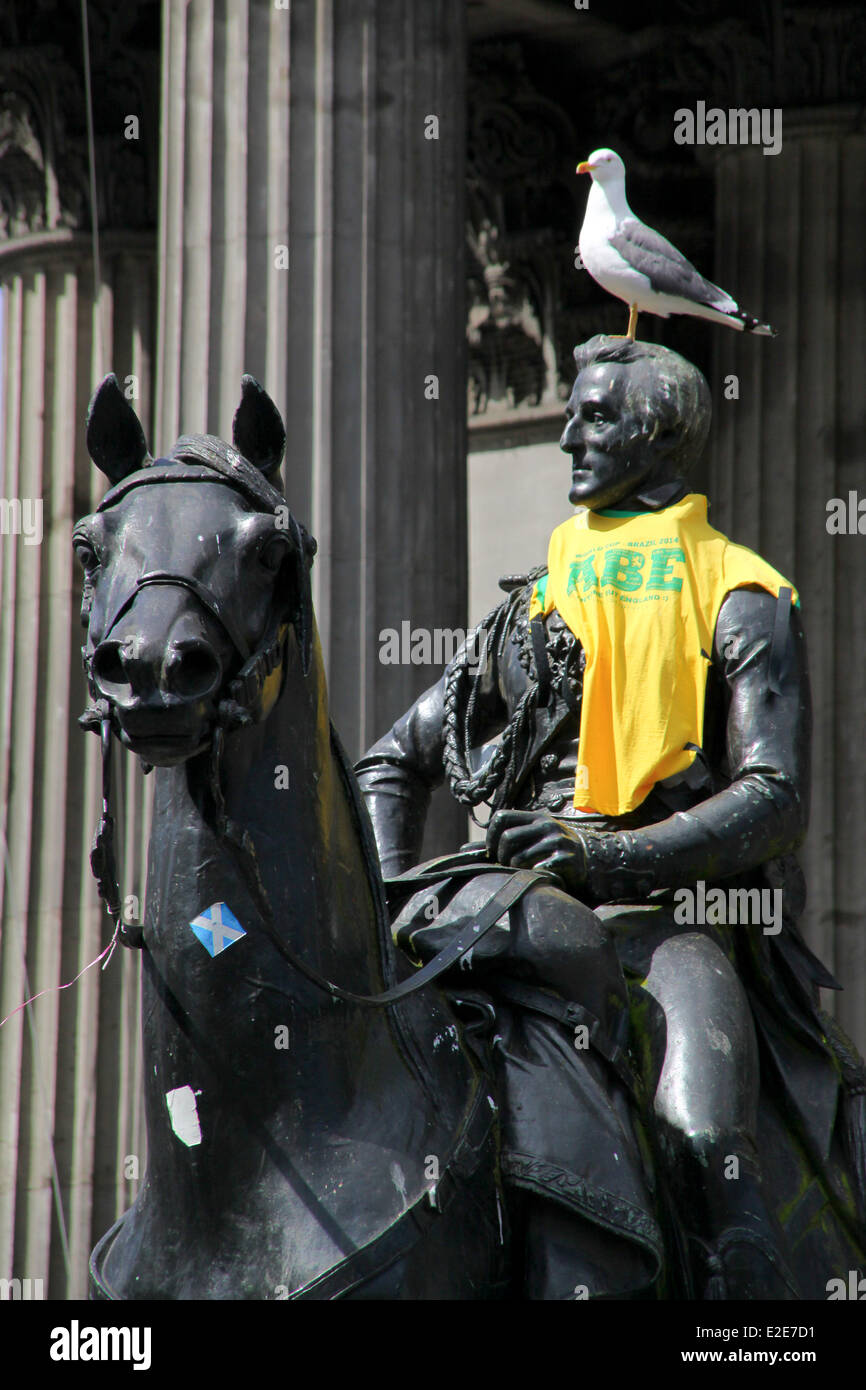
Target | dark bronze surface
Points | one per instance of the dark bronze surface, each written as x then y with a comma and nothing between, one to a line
487,1149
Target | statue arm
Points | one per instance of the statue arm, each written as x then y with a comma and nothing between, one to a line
764,812
399,773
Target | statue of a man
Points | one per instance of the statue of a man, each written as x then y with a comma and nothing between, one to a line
651,692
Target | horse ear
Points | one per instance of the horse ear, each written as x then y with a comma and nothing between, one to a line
257,429
303,549
115,439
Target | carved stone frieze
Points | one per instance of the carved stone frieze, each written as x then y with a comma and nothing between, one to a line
529,299
44,164
779,54
522,209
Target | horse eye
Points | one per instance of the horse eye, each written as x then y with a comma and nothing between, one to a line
272,554
87,555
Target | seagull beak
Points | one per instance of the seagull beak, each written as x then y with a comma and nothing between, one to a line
584,167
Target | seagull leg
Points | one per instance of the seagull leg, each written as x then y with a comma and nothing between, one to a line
632,325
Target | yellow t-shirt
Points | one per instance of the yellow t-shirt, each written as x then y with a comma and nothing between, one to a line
642,592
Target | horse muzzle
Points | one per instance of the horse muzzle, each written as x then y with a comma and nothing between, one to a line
164,741
163,702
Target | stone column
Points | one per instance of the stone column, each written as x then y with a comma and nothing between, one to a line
296,137
69,1088
790,247
68,1095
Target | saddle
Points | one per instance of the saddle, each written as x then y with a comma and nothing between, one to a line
571,1119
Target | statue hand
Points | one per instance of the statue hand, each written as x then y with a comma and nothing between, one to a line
527,840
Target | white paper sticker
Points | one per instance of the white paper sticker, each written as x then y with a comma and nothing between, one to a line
183,1113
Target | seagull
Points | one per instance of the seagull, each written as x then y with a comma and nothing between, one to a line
633,262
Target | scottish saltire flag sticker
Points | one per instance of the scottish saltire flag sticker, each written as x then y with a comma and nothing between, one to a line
217,927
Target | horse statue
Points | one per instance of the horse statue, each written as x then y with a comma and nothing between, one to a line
306,1139
324,1119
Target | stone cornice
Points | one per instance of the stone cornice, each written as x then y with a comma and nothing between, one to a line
781,54
52,250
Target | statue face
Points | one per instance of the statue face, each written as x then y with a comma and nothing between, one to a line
612,452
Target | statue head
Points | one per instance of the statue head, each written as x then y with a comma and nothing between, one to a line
638,419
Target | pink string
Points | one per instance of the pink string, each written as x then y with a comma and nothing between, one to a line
109,951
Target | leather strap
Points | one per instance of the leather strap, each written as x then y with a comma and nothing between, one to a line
204,595
469,936
568,694
397,1240
779,643
571,1015
542,664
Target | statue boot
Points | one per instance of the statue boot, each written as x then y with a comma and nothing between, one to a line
705,1104
736,1247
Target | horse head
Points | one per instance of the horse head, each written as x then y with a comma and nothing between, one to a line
195,573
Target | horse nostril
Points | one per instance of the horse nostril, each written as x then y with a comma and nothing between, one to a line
193,670
108,667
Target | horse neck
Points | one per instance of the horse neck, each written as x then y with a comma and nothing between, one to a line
282,784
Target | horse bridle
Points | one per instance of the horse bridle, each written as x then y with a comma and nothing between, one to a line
206,597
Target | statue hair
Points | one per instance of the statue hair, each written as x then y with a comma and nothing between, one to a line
669,393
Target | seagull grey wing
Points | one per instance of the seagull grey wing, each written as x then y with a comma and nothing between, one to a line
666,268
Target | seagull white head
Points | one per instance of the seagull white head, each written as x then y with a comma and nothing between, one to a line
605,166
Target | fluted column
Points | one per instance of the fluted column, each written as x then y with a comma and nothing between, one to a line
790,246
69,1098
304,128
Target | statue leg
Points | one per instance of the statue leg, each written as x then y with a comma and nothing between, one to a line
558,943
706,1101
566,1113
549,938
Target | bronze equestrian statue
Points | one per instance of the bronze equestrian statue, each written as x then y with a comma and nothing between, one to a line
328,1118
651,694
318,1126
